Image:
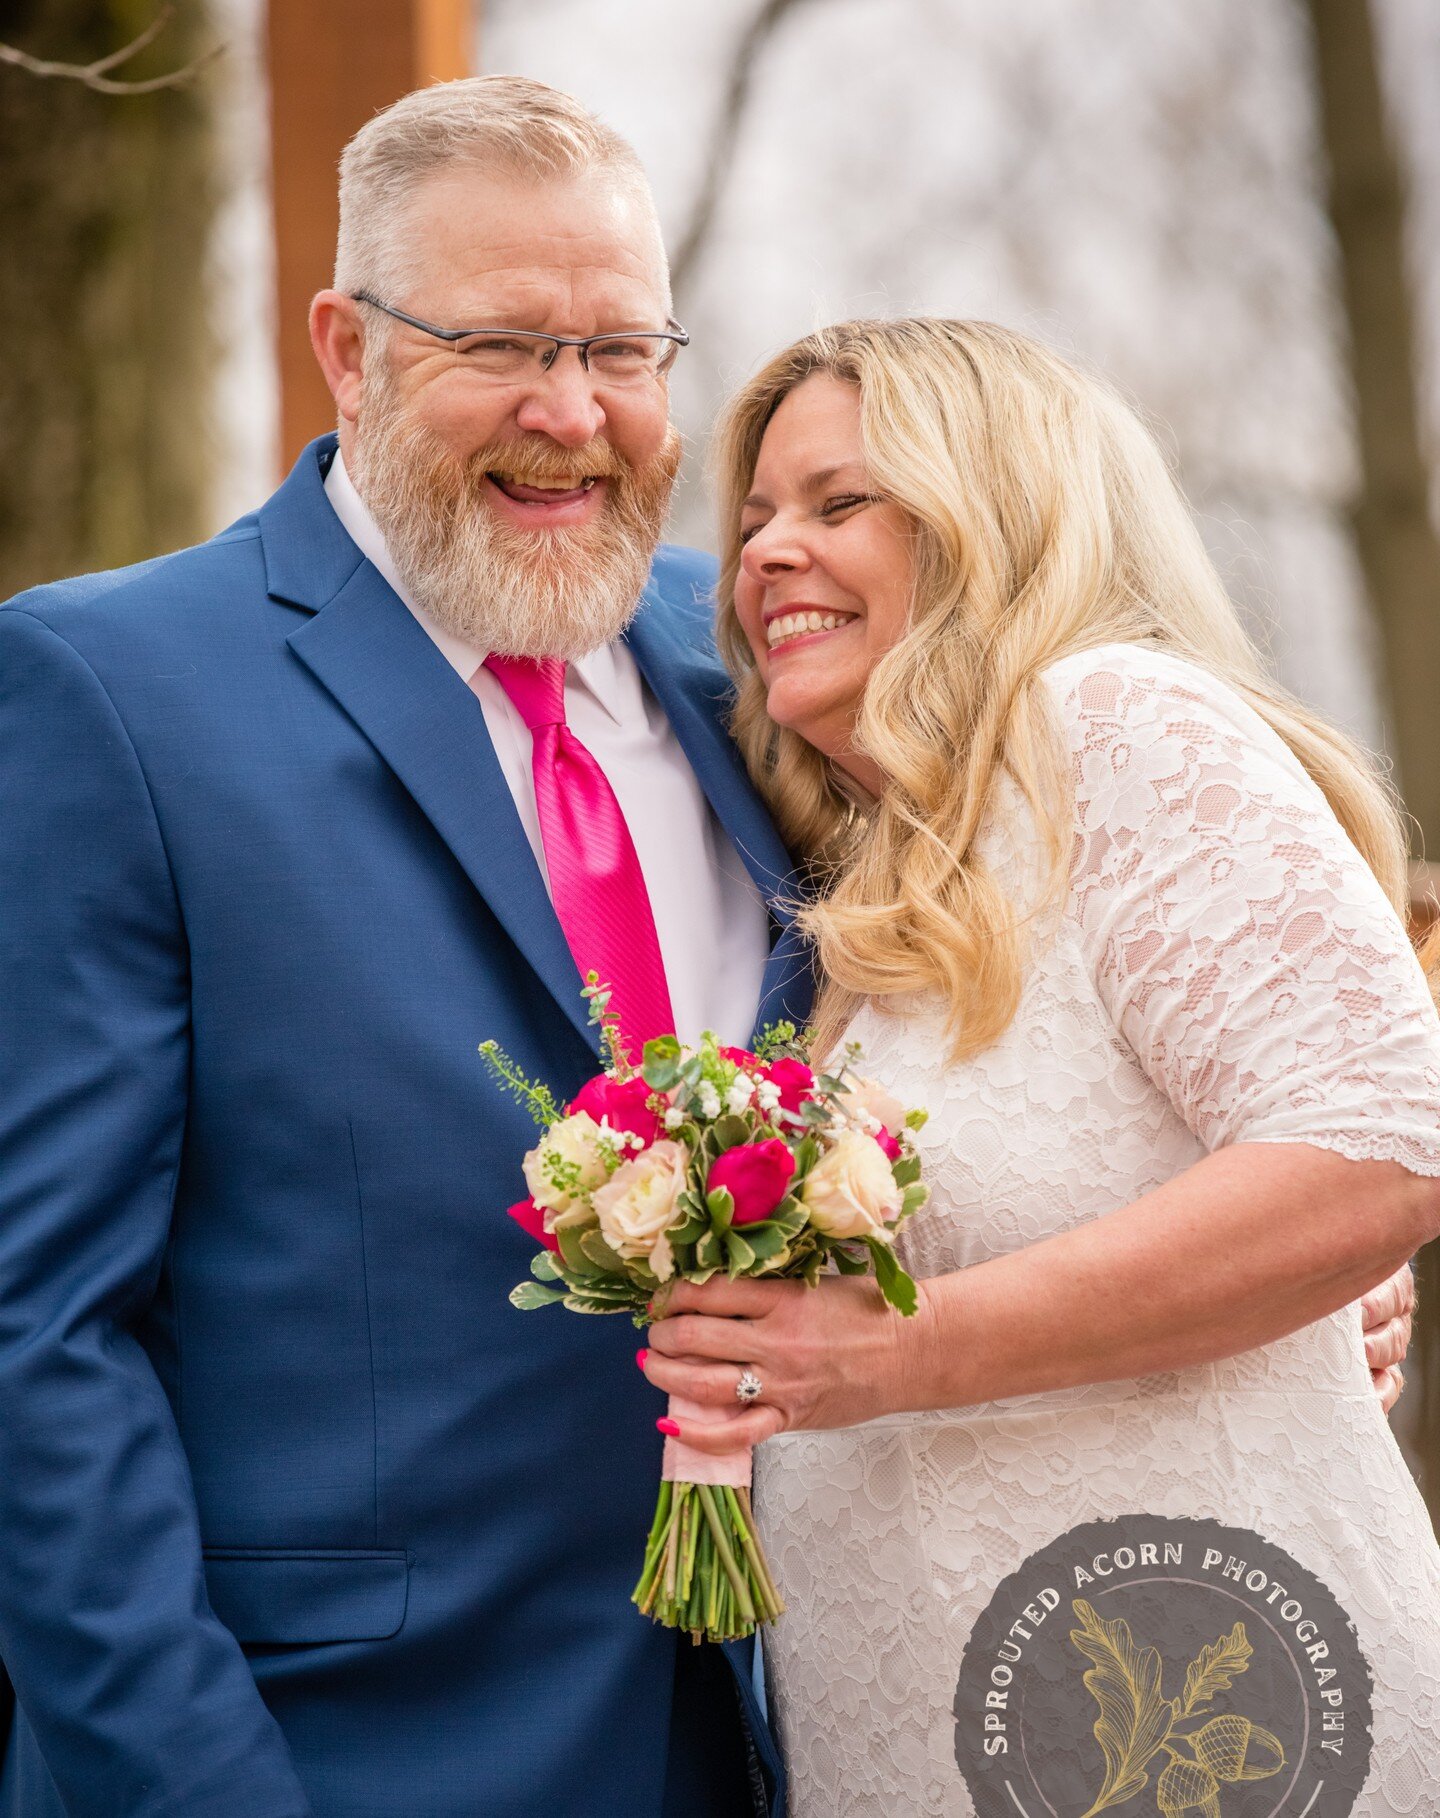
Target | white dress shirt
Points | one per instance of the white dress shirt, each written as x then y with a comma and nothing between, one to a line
709,917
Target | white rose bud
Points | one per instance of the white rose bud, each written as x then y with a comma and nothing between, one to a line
566,1164
638,1205
863,1096
850,1192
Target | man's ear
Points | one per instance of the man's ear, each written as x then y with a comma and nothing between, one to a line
338,337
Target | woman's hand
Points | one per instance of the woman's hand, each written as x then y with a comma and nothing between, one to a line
828,1356
1387,1312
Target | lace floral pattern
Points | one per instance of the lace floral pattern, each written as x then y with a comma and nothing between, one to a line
1225,970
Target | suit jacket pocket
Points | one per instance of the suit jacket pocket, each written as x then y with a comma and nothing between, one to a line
278,1595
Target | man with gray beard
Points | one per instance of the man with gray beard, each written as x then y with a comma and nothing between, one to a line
300,1518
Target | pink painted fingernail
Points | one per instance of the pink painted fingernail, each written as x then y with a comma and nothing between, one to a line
640,1356
669,1427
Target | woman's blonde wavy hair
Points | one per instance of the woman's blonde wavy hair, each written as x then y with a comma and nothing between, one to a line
1044,521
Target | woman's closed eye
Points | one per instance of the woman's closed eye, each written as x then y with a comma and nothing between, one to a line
836,506
840,503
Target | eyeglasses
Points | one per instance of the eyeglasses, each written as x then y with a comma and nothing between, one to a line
626,358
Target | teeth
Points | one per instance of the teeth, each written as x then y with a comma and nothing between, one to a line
581,483
796,624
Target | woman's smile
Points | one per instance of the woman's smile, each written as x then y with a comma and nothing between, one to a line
790,626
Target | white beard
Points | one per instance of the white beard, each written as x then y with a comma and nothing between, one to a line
556,593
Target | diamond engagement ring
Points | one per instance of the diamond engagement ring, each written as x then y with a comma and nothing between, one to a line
749,1388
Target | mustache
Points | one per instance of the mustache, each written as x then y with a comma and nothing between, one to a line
543,460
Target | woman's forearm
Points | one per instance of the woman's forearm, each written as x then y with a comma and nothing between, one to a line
1248,1245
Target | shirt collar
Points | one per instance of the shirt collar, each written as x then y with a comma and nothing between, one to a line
597,670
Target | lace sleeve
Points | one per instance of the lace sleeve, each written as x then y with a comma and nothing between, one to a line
1240,943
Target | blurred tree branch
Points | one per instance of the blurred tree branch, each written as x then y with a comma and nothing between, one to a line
726,132
97,75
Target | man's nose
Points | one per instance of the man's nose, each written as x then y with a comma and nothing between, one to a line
562,405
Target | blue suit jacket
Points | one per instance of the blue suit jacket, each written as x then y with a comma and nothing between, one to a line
297,1514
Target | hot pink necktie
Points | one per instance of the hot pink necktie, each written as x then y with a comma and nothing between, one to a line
596,883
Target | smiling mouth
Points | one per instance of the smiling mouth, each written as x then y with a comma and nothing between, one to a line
525,489
786,627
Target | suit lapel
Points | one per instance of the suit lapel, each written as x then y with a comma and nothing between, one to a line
374,658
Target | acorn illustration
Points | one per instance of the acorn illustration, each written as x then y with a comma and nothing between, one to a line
1186,1786
1234,1749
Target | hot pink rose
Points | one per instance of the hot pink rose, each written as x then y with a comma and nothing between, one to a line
888,1143
743,1058
531,1220
794,1081
622,1102
756,1175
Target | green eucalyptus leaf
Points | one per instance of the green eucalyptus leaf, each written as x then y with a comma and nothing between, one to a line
789,1216
730,1132
590,1303
599,1252
614,1293
572,1249
773,1265
660,1063
847,1262
807,1153
531,1294
895,1284
742,1255
691,1228
765,1239
720,1204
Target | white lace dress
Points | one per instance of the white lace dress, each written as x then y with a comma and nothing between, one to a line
1226,971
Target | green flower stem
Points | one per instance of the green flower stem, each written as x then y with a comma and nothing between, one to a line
654,1546
692,1538
754,1556
727,1558
704,1568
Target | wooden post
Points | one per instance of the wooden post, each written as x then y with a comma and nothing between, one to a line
1398,545
332,68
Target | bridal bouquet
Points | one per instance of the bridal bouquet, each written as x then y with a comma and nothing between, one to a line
697,1161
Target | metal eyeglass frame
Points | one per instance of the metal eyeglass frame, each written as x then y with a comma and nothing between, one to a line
672,332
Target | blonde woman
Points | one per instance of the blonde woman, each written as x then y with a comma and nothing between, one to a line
1127,921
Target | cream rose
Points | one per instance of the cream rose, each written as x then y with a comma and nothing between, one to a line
850,1192
865,1097
566,1164
637,1205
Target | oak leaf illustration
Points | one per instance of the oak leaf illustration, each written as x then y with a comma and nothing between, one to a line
1214,1667
1135,1718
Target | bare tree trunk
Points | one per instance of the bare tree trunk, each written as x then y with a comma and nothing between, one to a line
105,375
1398,546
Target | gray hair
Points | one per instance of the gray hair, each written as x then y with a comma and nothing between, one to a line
499,124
